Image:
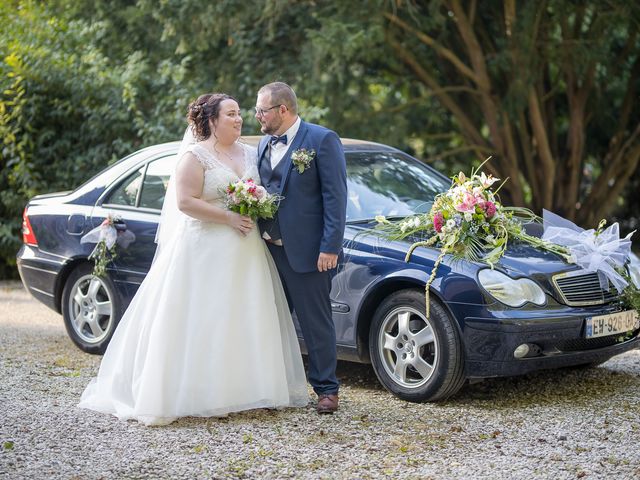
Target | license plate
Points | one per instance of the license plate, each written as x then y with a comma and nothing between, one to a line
610,324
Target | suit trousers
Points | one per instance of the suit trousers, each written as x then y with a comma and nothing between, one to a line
308,296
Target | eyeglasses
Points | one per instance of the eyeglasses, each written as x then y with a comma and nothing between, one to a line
262,111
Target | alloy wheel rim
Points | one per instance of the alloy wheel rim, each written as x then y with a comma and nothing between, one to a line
407,347
91,309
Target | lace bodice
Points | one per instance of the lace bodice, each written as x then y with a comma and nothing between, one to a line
217,175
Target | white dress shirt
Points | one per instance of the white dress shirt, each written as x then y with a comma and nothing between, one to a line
279,149
277,154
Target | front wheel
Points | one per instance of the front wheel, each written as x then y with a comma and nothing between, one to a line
91,309
415,358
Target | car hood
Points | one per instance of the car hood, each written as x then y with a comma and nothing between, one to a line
527,260
520,259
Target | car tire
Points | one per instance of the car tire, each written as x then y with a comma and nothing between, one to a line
416,359
91,309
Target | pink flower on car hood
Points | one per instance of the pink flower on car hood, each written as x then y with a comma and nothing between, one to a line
489,209
468,203
438,222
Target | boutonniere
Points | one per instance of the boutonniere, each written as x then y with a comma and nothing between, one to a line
302,158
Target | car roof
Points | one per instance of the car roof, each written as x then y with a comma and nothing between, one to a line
349,144
163,149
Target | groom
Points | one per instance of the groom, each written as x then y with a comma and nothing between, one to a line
305,164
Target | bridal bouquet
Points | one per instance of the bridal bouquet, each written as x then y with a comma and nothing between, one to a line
247,198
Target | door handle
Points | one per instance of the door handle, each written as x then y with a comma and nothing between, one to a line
120,226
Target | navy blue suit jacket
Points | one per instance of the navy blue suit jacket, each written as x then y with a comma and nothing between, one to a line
313,212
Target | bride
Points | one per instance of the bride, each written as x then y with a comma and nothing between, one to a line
209,331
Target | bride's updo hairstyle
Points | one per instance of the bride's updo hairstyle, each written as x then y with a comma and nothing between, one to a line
205,108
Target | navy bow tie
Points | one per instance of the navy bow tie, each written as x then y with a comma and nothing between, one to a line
275,139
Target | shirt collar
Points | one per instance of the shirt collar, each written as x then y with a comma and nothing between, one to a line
292,131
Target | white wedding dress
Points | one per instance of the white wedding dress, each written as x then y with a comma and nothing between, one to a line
209,331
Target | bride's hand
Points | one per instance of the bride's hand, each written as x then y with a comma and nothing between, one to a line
241,223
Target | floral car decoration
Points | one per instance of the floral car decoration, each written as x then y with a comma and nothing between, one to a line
469,222
107,236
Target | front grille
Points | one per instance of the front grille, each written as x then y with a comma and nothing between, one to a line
579,288
579,344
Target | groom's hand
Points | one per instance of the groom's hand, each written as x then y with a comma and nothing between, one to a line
327,261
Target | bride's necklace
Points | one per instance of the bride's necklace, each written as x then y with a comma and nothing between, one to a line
230,157
233,162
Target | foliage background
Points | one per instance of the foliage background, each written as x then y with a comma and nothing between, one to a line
549,88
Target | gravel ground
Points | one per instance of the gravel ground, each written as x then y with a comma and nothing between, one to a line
564,424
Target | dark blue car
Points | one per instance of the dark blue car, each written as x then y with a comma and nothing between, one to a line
533,311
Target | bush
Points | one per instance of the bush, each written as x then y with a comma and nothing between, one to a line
67,111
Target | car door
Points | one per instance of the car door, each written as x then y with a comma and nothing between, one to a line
136,202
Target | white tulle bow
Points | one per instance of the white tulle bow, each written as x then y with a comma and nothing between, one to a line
107,231
600,253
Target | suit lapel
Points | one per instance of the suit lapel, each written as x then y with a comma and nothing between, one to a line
302,132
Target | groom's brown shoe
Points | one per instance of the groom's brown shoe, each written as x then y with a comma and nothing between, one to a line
327,403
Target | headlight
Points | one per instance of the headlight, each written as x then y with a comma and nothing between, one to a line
514,293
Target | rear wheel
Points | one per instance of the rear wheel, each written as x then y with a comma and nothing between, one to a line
415,358
91,309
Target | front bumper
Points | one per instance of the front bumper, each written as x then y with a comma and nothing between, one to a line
490,343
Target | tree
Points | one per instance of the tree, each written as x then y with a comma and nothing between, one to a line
548,89
67,110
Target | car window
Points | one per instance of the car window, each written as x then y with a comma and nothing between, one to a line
144,188
127,191
155,182
390,184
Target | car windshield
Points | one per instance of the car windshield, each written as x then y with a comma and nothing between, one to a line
389,184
